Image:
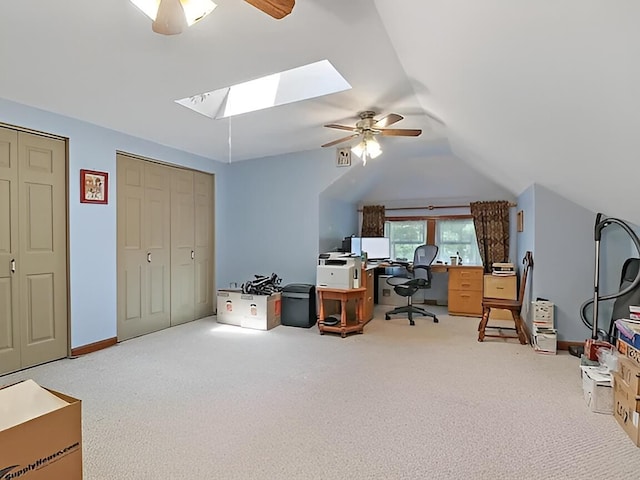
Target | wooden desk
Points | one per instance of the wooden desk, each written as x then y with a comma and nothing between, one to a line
343,296
464,288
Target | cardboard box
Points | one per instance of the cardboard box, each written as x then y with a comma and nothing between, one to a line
629,374
261,312
597,388
626,350
40,433
543,313
623,392
545,340
625,411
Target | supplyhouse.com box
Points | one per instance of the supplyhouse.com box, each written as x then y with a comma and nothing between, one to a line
261,312
40,434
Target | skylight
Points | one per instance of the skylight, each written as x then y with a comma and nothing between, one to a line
301,83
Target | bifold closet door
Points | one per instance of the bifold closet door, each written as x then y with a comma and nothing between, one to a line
143,247
33,250
182,247
9,299
204,244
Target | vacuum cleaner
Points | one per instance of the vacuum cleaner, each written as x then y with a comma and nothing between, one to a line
629,293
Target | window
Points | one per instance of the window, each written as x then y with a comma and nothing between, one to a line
405,237
451,235
457,236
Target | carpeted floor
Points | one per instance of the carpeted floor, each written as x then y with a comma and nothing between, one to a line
209,401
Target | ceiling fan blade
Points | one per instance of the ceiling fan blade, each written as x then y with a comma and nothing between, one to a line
388,120
276,8
341,127
170,19
340,140
400,132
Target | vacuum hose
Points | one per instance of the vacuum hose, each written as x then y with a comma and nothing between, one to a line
593,326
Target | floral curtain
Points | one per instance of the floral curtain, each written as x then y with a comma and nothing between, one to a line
491,220
373,217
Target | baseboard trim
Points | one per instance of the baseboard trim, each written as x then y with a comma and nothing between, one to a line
94,347
562,345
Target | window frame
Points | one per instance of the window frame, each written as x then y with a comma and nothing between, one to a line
430,223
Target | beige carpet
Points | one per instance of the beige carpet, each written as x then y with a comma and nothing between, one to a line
208,401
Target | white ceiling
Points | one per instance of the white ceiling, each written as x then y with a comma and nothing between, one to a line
530,92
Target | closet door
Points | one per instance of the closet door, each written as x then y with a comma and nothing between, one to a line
9,325
157,225
204,243
182,247
42,268
143,247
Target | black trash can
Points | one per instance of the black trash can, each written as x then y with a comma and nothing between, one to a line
298,305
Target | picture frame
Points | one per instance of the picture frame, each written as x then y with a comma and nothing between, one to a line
520,221
343,157
94,187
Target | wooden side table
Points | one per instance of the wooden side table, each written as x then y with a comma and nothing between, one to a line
343,296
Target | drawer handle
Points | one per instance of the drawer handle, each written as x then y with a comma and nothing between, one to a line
465,295
465,284
499,288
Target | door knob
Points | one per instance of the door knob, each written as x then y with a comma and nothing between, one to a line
149,257
193,254
13,265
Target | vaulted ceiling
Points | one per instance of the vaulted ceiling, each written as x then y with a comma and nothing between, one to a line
527,92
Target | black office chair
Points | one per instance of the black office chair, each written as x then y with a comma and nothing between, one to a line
418,276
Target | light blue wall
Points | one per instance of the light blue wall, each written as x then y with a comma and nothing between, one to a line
273,217
525,242
92,228
560,234
563,255
338,219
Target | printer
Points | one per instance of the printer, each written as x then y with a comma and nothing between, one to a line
338,270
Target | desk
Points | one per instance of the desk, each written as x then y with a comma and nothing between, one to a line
464,286
358,294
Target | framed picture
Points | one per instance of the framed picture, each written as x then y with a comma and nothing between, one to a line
343,157
94,187
520,221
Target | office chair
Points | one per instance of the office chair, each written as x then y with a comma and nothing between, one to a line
418,276
514,306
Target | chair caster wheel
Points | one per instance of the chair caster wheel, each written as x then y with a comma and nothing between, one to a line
387,317
411,322
435,320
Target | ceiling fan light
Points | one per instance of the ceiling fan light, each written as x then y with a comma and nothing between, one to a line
374,152
373,148
194,10
360,148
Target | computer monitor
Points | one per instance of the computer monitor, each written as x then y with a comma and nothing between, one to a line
377,248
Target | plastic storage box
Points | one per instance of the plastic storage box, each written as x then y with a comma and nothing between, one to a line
299,305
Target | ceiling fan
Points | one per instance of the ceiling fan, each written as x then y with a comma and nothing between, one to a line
170,17
368,126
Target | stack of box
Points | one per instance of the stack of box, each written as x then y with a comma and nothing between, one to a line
626,381
545,335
